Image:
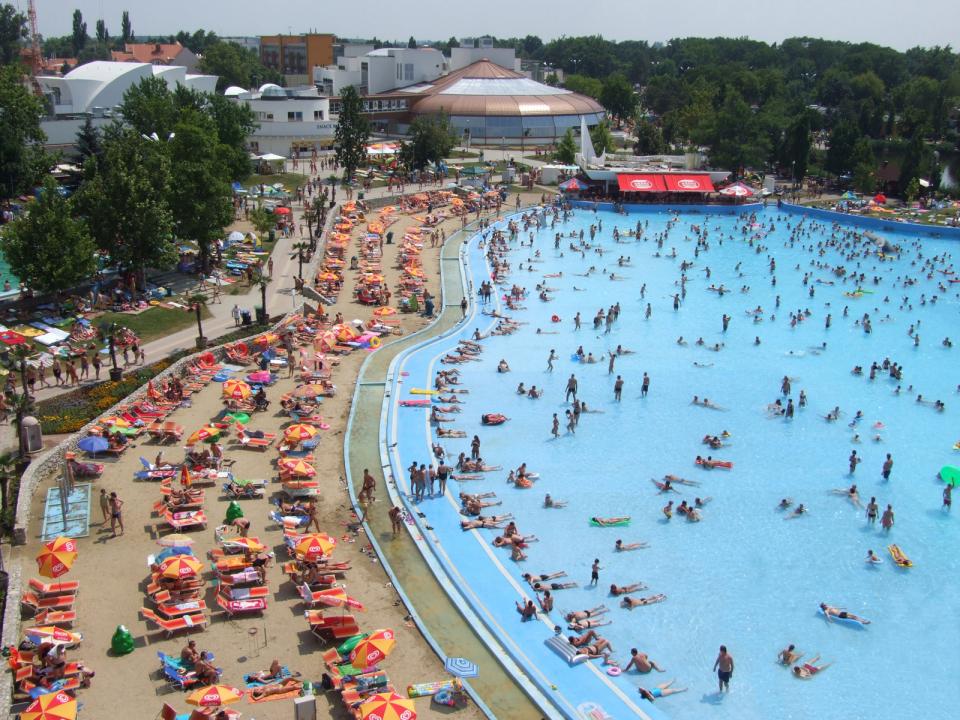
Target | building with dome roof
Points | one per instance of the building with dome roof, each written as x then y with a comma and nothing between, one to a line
487,104
289,121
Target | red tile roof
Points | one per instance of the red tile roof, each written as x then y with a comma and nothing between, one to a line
156,53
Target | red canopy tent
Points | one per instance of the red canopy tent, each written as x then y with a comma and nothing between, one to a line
677,182
642,182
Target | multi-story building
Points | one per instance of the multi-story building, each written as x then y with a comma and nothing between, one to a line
290,121
295,56
379,71
157,54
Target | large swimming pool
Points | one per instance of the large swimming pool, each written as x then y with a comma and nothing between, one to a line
744,576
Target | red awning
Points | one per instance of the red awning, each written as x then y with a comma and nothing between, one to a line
688,183
647,182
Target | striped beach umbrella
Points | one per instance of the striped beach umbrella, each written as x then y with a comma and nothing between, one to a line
206,433
236,389
250,544
295,466
299,431
52,706
175,540
57,556
214,696
314,545
337,597
372,649
388,706
181,567
53,634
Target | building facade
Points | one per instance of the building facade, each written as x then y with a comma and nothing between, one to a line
295,56
290,121
379,71
157,54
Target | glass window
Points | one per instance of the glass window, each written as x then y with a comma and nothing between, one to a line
318,114
295,116
408,71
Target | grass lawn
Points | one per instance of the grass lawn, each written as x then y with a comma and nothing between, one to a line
462,154
155,322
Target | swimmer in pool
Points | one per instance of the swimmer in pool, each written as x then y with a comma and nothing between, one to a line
604,522
620,546
788,656
801,510
830,612
630,603
661,690
549,502
809,669
851,494
872,558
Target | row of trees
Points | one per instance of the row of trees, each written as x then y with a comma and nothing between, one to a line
162,174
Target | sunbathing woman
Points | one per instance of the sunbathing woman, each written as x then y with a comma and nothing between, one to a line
490,523
589,624
280,688
630,603
444,432
540,587
604,522
626,589
531,578
265,676
619,546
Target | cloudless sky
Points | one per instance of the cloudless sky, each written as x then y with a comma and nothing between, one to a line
894,23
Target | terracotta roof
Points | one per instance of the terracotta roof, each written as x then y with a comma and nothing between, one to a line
162,53
485,88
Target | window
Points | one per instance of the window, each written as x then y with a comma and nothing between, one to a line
408,71
294,116
318,114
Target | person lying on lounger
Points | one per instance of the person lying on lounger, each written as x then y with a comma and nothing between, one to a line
284,686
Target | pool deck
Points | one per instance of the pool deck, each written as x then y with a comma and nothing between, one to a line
501,690
572,692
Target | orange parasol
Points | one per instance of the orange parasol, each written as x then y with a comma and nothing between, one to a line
295,466
207,432
52,706
310,390
388,706
373,648
185,478
299,431
385,311
214,696
180,567
57,556
314,545
237,389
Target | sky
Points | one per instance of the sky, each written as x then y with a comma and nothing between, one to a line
886,22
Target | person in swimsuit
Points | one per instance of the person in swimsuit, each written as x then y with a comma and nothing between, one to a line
809,669
585,614
661,690
642,662
788,656
873,510
831,612
626,589
724,667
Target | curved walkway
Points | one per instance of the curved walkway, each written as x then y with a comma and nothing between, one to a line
443,624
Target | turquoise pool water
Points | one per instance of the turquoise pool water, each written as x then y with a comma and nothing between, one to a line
743,576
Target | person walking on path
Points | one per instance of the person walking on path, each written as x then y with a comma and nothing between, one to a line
235,313
723,666
116,514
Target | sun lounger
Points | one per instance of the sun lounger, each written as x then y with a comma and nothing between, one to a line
179,609
56,617
161,506
259,443
183,520
336,626
242,606
562,647
51,602
289,521
312,598
247,576
172,626
65,685
179,678
41,589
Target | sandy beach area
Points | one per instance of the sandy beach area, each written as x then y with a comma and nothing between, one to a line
113,572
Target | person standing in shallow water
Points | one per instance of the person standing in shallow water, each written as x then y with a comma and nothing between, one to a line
724,668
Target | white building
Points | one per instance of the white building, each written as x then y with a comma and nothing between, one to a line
97,88
467,54
380,71
289,120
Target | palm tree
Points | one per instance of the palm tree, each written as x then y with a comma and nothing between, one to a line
8,464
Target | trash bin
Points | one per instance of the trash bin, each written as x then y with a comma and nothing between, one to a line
261,315
245,317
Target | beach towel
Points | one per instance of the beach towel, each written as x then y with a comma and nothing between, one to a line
293,692
284,673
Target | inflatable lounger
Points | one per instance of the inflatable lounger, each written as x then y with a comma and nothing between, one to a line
415,403
432,688
423,391
846,621
562,647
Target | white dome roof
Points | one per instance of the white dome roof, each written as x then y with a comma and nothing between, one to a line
271,90
233,91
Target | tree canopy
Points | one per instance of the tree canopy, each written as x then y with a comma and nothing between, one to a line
49,248
13,31
430,140
236,65
23,160
353,132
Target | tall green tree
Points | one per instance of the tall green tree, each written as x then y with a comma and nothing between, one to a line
148,107
236,65
843,138
864,164
124,199
88,142
584,85
430,140
797,146
200,197
79,36
602,138
412,42
23,160
649,138
353,132
126,28
618,98
567,148
103,37
49,248
13,31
